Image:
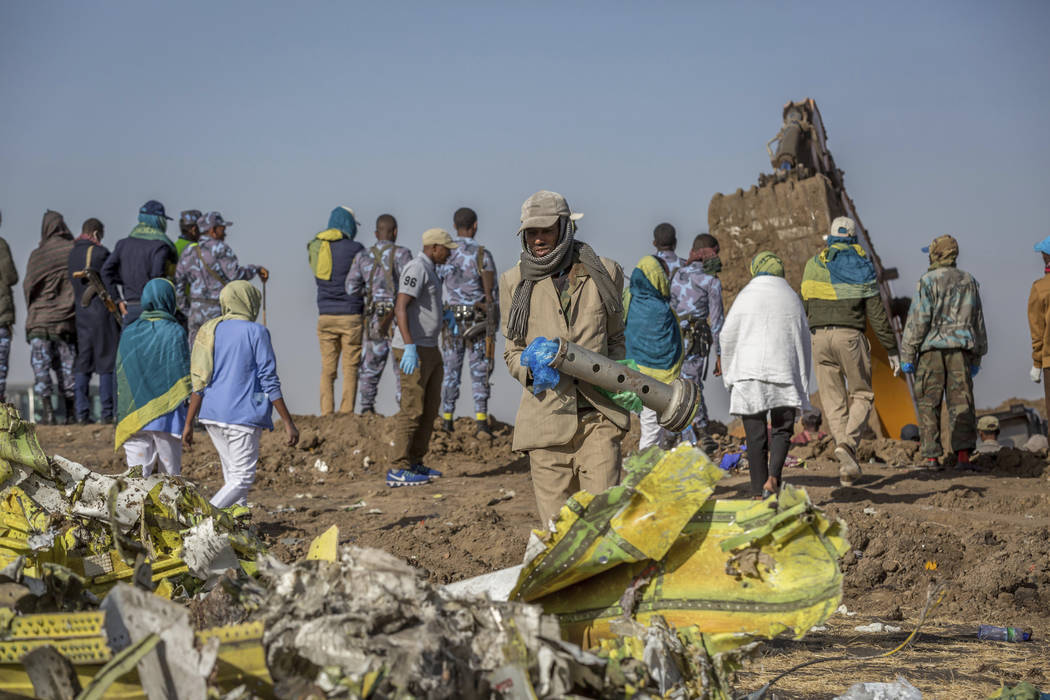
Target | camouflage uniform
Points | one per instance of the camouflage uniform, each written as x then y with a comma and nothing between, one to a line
5,355
943,338
697,296
376,284
461,280
203,270
674,263
46,354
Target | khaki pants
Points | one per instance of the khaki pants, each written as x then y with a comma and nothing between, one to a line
339,335
590,461
420,404
945,375
843,360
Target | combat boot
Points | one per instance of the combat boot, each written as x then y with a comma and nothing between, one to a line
71,409
47,413
447,425
483,428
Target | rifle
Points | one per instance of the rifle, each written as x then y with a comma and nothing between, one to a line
488,284
95,287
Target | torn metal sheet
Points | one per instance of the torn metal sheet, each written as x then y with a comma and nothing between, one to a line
727,567
208,553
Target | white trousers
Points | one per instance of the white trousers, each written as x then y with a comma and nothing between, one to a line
147,447
650,429
238,447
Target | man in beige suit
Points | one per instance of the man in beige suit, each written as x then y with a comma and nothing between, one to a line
561,289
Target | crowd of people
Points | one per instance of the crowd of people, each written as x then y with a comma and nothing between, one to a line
170,328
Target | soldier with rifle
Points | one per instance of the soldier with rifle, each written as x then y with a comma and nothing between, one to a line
470,320
98,324
696,297
374,277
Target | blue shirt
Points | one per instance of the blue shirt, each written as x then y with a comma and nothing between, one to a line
244,380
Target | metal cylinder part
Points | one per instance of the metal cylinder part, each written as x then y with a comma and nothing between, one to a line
675,403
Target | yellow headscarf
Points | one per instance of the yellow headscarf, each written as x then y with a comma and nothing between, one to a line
237,300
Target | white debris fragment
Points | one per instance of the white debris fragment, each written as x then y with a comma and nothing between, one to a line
841,610
876,627
367,461
321,466
355,506
870,511
374,511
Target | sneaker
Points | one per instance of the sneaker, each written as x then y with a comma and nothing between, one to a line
849,470
405,477
425,471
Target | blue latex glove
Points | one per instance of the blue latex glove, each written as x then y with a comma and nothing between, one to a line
908,368
974,370
537,358
410,360
450,321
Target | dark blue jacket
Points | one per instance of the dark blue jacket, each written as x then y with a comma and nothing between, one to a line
331,293
133,263
98,332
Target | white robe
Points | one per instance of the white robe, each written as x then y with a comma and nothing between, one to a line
766,348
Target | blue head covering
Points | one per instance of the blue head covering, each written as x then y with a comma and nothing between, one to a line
654,340
342,219
1043,246
154,221
158,299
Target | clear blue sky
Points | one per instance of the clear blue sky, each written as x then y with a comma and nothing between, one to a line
274,113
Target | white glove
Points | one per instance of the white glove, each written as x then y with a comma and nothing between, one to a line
895,365
1036,374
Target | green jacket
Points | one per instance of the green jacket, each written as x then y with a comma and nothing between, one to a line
945,314
853,313
8,279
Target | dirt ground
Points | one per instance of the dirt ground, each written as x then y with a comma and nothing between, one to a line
985,535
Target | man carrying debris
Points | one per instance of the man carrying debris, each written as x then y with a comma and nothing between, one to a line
418,309
561,288
665,240
50,319
233,371
841,296
374,277
942,345
98,330
469,283
988,435
8,279
205,268
147,253
188,231
1039,323
696,297
332,253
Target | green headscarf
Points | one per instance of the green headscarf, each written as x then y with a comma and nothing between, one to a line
237,300
767,263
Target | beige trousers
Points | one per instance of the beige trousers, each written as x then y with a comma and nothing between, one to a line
420,405
590,461
843,362
339,335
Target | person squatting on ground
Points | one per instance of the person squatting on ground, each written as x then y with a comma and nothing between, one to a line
188,231
468,291
153,382
374,276
204,269
653,338
988,436
233,370
561,288
765,367
1039,323
339,313
8,279
50,318
147,253
696,297
665,240
942,345
418,310
811,421
841,296
98,331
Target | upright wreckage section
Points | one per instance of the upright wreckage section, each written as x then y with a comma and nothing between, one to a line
790,211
